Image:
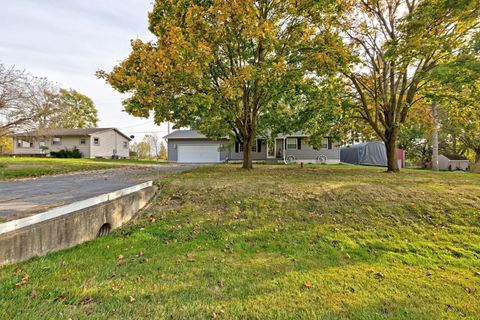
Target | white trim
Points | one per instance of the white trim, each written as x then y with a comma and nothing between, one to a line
69,208
274,150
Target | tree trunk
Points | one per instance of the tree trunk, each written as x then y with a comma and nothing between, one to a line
392,163
477,156
391,145
247,154
435,137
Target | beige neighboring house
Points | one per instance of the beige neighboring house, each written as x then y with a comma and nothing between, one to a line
453,162
92,142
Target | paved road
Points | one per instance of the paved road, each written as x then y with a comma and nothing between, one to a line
26,197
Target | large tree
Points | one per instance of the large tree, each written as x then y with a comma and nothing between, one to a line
15,97
394,45
219,66
28,102
75,110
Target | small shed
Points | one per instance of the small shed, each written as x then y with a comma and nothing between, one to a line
371,153
452,162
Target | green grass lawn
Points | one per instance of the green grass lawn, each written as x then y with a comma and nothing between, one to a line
12,168
278,242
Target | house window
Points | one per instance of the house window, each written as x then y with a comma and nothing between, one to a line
24,144
240,147
56,141
324,143
254,147
292,143
83,141
125,144
96,141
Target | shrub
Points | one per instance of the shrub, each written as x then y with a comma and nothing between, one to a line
66,153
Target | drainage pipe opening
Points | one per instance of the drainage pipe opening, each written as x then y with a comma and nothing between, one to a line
104,230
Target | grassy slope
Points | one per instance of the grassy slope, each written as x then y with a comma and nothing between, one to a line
221,242
11,168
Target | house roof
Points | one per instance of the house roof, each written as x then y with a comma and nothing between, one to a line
186,134
194,134
297,134
454,157
66,132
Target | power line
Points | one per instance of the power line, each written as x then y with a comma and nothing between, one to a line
145,131
138,124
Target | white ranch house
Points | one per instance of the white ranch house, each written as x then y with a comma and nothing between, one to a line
92,142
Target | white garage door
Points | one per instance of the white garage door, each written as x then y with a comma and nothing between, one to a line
199,154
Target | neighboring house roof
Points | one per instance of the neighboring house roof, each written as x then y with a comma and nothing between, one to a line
186,134
454,157
66,132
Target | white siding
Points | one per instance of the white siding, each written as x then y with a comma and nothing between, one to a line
109,141
65,143
446,164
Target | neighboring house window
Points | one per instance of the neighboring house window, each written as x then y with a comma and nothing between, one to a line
24,144
292,143
125,144
83,141
96,141
42,143
56,141
254,147
240,147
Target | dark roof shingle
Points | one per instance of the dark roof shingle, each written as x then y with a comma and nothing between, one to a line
66,132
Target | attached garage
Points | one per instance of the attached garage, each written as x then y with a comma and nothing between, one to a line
190,146
198,153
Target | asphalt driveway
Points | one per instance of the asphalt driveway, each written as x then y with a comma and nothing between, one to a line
22,198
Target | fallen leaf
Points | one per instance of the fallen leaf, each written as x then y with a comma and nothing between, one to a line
86,300
24,280
60,298
132,299
379,275
33,294
308,284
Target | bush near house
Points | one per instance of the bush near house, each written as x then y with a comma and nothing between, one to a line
66,153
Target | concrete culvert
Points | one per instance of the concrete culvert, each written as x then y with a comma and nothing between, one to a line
104,230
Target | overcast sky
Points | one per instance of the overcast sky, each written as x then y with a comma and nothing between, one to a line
66,41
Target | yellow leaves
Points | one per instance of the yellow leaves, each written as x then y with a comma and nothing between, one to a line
308,284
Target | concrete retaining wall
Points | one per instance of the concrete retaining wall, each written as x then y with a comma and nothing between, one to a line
67,230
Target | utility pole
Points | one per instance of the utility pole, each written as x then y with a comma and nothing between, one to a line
435,136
